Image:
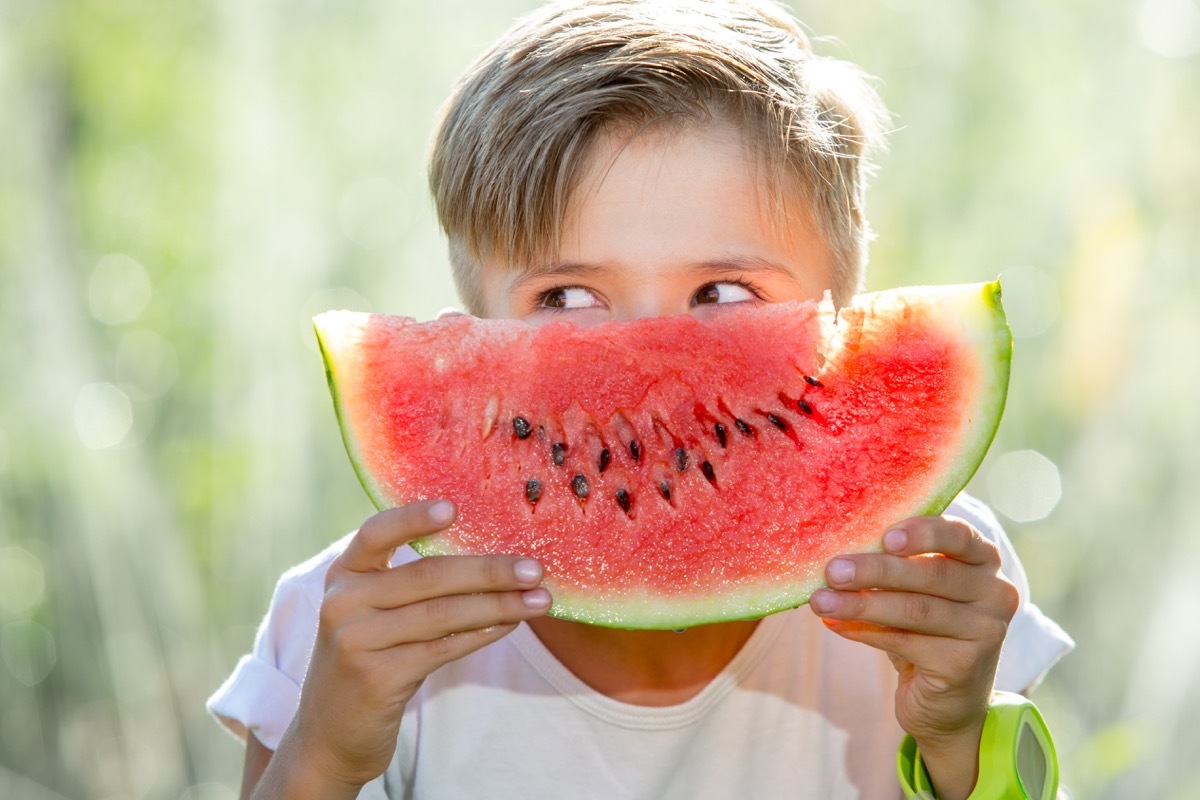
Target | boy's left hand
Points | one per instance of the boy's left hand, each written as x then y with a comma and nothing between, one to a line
937,603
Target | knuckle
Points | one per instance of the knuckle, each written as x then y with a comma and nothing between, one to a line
344,640
424,574
897,639
991,551
939,568
373,529
875,571
441,649
495,570
335,606
917,608
440,610
1010,598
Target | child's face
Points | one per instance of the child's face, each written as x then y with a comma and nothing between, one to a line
668,223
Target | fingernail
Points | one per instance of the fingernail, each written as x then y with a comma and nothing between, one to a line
825,601
895,540
840,570
527,570
536,598
441,512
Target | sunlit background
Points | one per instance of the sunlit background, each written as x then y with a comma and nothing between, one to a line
183,184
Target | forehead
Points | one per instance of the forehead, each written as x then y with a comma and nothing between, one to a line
672,201
677,195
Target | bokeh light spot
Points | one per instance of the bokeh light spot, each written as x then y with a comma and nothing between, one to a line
1170,28
103,415
22,582
1024,485
28,651
119,289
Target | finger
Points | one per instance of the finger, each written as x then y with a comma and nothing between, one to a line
439,652
910,611
915,649
449,615
371,548
949,536
932,574
436,576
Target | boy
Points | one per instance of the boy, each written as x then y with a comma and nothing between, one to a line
616,160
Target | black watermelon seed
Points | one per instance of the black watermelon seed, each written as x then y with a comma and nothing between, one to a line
557,453
664,489
623,500
743,427
521,427
720,431
777,422
533,490
680,459
635,451
605,457
811,381
803,405
707,469
579,485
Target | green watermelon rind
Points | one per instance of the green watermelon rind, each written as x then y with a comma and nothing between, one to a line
987,331
994,398
349,437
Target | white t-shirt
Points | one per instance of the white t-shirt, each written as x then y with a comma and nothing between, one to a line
798,713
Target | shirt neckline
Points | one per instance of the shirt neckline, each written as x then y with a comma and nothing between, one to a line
629,715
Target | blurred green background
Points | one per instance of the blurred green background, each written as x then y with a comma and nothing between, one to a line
183,184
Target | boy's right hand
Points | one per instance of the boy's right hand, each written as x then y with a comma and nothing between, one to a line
383,629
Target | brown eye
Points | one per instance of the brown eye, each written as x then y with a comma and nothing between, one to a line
568,297
722,292
708,293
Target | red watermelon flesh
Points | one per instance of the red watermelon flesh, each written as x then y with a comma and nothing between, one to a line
669,472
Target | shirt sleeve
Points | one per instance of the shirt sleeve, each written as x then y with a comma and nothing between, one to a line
263,691
1034,642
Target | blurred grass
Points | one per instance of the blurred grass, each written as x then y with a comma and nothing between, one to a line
183,184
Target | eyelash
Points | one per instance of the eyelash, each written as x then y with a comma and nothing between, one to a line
747,284
542,297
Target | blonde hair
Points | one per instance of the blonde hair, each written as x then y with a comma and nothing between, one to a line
516,132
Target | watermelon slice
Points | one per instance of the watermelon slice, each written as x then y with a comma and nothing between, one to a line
669,472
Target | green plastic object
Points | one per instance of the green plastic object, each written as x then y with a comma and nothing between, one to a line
1017,760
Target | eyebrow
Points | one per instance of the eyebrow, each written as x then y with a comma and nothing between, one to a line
744,264
715,266
567,269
